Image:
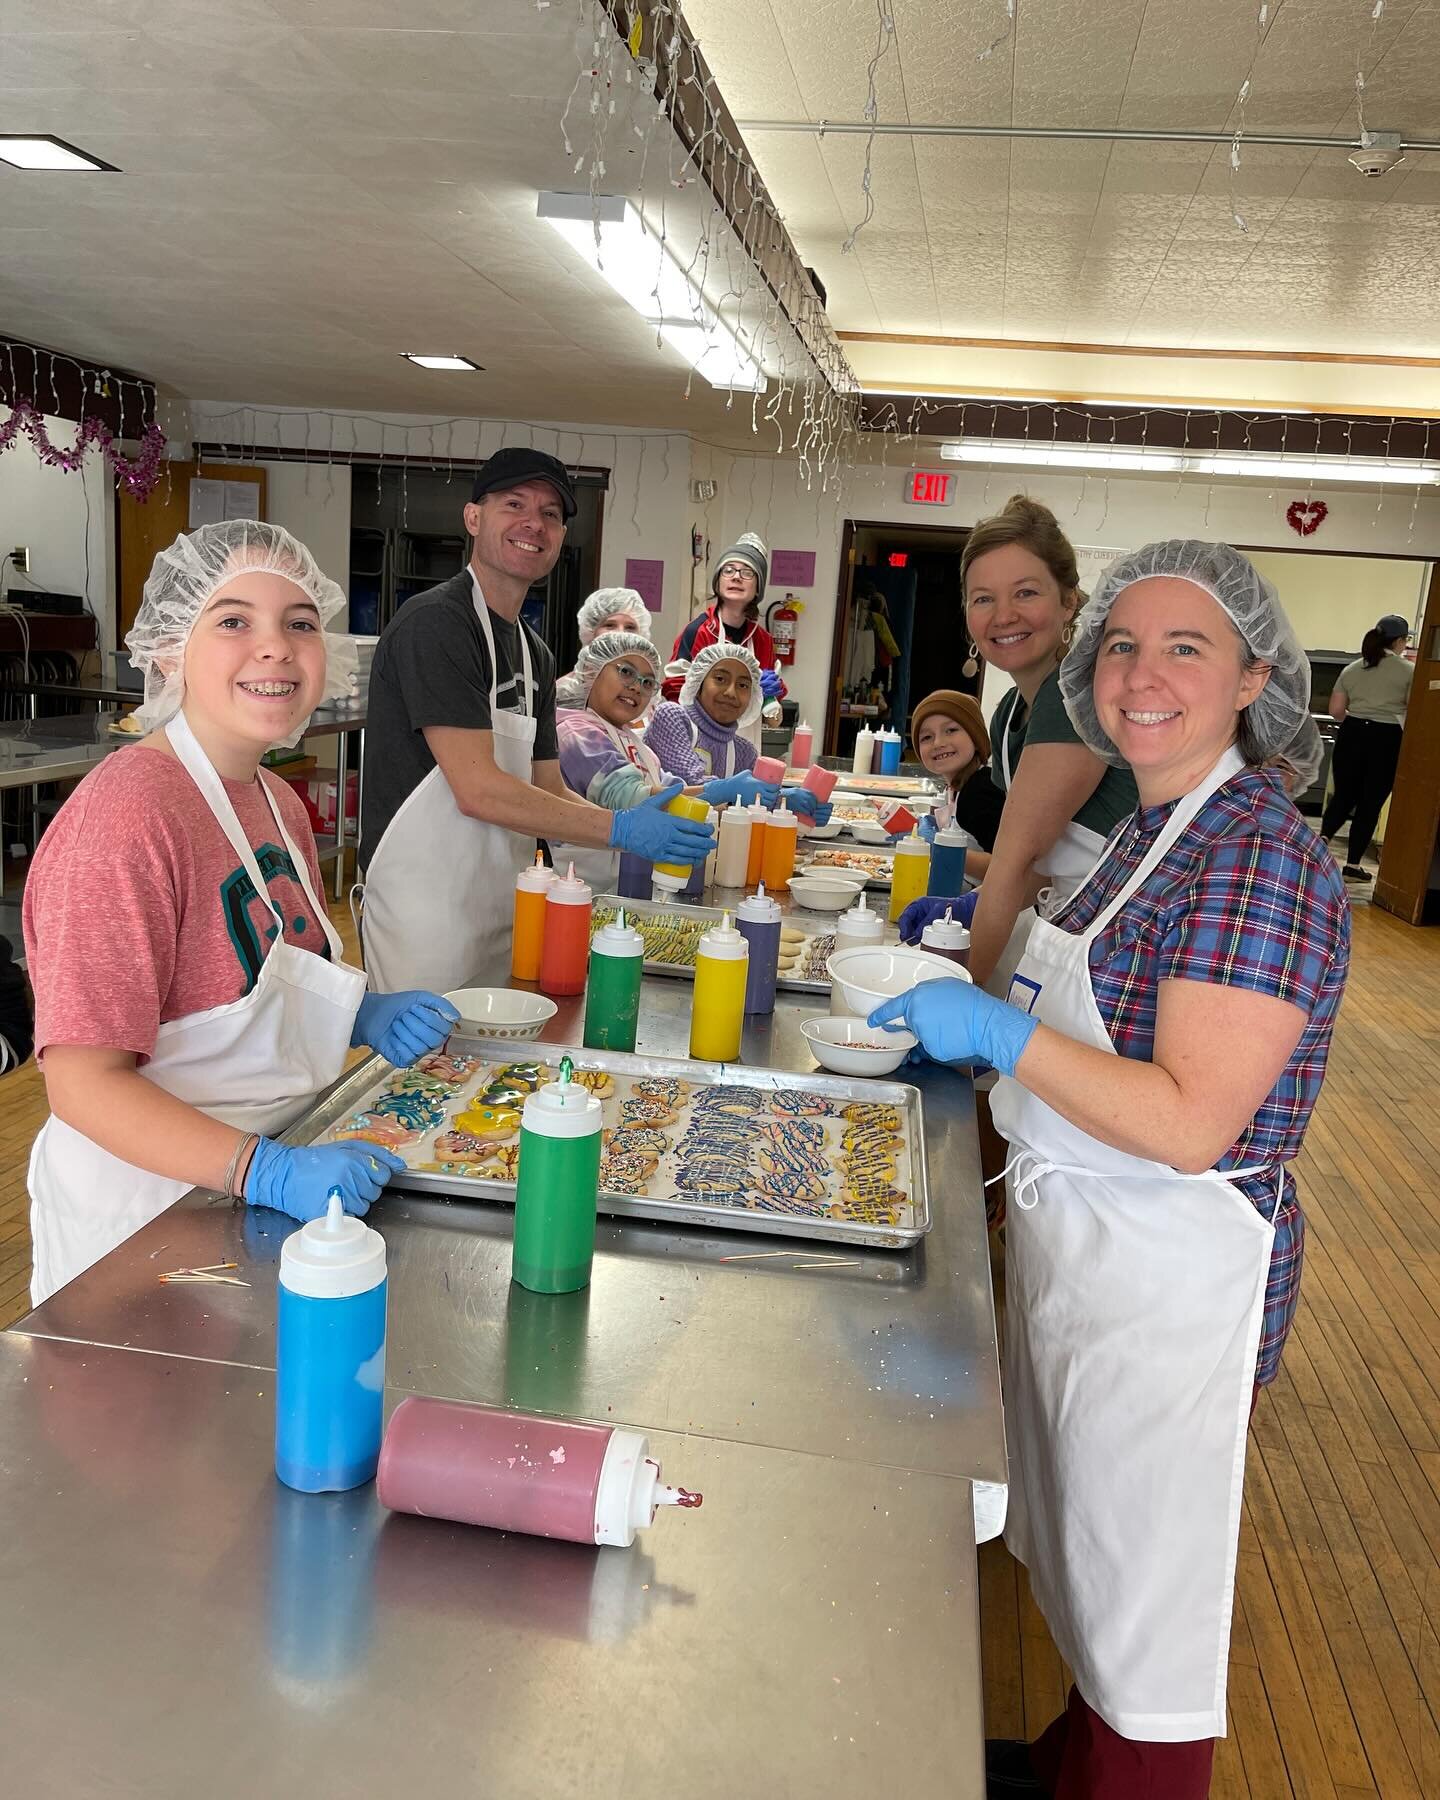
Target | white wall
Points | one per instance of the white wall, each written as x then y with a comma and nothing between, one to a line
52,512
312,500
1334,600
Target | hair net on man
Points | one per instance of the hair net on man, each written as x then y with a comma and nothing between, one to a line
1278,718
610,603
186,577
610,647
706,660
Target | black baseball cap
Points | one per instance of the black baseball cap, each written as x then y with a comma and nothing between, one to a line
511,466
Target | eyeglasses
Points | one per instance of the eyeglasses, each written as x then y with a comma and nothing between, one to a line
633,677
736,569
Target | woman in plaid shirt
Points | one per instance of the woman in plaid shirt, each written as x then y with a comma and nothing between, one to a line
1161,1052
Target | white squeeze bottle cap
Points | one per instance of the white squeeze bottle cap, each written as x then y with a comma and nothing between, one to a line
333,1257
945,934
782,815
535,879
630,1490
860,923
570,890
724,941
759,907
617,939
563,1108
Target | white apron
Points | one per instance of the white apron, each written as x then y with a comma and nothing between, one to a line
601,868
439,895
1065,865
1135,1297
256,1064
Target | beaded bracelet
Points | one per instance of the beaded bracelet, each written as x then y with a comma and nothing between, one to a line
227,1183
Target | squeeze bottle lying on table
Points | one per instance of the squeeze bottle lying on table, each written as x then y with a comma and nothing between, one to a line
557,1478
330,1353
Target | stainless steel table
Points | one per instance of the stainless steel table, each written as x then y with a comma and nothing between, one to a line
891,1359
177,1622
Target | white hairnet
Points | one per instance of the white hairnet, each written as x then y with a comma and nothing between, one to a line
609,647
606,603
1276,726
706,660
181,584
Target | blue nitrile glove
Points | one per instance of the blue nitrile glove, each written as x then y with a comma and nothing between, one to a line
770,684
745,790
800,800
647,830
926,828
956,1021
404,1027
297,1179
920,913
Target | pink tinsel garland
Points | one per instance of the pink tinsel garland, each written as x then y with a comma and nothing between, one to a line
138,474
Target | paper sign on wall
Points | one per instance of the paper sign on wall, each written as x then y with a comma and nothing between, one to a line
212,502
792,568
647,577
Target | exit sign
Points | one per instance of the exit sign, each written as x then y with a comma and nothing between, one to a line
929,487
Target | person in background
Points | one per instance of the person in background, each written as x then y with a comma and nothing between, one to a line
699,736
1368,700
191,999
607,609
17,1024
738,587
1161,1052
462,770
604,757
1022,596
948,732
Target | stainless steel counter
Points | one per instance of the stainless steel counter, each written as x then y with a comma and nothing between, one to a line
889,1358
177,1622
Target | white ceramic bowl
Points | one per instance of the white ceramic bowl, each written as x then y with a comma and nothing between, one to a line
866,831
831,830
821,893
851,1047
502,1012
866,976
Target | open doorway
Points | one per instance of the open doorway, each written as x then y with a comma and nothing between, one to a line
899,626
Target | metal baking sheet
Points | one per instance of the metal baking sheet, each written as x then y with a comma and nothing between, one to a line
607,905
887,787
371,1075
816,860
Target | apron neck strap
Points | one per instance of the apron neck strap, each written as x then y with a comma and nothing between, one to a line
202,772
1185,811
482,612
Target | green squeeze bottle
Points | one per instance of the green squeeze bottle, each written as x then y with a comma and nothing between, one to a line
558,1186
612,992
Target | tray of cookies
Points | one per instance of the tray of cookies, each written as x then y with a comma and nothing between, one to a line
715,1144
671,933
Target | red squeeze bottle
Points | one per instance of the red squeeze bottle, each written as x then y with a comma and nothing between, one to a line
557,1478
565,954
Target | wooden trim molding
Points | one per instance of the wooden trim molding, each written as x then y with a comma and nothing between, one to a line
1162,350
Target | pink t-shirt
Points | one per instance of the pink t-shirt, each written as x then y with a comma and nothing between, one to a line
137,910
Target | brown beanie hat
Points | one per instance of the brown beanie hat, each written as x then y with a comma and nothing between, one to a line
963,709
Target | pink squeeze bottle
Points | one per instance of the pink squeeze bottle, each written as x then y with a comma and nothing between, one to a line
591,1484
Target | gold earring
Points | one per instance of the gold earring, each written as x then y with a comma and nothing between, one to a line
970,668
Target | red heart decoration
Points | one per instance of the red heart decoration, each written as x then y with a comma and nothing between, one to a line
1306,516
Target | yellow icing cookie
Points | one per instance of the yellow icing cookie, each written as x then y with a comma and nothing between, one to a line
481,1120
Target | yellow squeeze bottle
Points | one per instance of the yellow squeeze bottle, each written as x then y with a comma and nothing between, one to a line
722,965
911,874
674,876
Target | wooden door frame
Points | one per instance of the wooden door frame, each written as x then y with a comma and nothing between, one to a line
1403,884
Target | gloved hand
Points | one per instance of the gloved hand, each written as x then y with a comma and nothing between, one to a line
956,1021
771,685
744,789
920,913
404,1027
647,830
926,828
800,800
297,1180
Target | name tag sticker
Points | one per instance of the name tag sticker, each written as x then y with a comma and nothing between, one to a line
1023,993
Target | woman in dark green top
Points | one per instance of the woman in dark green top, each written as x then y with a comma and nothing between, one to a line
1022,591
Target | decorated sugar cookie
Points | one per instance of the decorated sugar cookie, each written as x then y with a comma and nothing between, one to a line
455,1071
481,1120
375,1128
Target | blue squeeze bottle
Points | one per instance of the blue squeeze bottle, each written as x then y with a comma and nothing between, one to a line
330,1353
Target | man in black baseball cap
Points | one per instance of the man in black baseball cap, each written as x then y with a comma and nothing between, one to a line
512,467
462,769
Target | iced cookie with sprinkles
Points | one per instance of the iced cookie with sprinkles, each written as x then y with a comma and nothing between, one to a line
482,1120
627,1174
453,1070
645,1109
628,1140
417,1112
668,1088
376,1128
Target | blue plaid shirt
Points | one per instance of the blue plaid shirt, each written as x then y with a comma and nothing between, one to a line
1249,897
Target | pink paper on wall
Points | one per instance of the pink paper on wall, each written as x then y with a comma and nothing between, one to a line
647,577
792,568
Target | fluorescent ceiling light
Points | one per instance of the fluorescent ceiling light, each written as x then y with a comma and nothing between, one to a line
441,362
48,153
609,235
1102,458
1057,456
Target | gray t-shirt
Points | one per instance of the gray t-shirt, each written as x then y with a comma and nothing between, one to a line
431,667
1380,693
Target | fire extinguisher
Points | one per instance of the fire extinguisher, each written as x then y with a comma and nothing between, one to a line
780,622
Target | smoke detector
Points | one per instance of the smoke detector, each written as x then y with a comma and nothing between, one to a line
1378,154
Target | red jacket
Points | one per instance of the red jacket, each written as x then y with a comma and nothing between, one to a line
706,630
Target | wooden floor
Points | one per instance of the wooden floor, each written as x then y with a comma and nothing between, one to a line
1335,1660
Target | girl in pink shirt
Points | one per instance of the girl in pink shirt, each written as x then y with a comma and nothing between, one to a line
191,997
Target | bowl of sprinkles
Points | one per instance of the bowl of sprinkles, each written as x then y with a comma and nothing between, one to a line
851,1047
502,1012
